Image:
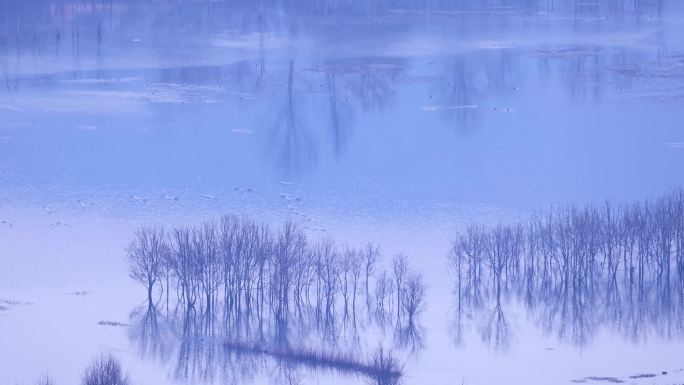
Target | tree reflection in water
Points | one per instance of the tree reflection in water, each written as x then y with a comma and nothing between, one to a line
577,271
208,352
252,301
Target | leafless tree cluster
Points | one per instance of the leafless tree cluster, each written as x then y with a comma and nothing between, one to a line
271,292
586,265
45,379
104,369
242,269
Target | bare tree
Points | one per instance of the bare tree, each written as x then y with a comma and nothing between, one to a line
399,268
45,379
356,262
240,267
146,256
371,254
384,290
568,262
104,370
413,295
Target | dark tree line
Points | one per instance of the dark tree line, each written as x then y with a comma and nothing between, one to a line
104,369
580,266
242,269
269,291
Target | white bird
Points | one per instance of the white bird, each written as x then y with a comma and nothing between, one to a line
243,131
82,203
80,292
139,198
505,109
49,211
289,198
243,189
432,108
208,196
314,229
286,182
243,95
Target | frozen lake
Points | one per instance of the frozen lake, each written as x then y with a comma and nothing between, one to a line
393,122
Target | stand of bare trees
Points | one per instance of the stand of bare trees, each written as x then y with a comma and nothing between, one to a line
104,369
238,269
272,292
587,265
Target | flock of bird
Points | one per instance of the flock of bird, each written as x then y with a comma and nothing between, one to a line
309,222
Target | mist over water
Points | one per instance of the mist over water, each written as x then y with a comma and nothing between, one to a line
427,129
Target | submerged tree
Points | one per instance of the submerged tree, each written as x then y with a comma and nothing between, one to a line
45,379
146,257
413,294
272,292
399,268
579,265
246,271
104,370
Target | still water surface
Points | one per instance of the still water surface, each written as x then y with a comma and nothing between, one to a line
392,122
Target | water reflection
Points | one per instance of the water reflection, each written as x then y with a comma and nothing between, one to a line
290,140
196,349
248,298
275,59
357,87
577,272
